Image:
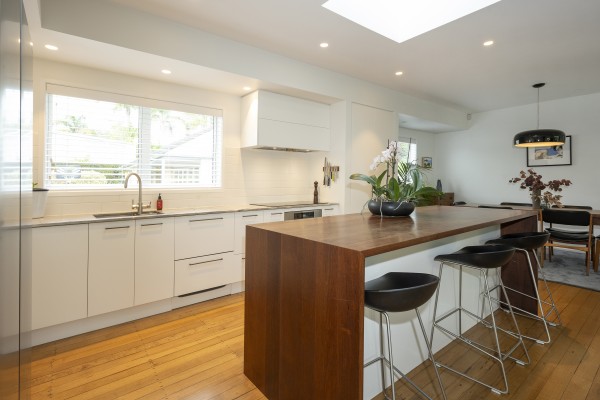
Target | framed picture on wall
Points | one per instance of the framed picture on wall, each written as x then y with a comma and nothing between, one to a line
426,162
549,156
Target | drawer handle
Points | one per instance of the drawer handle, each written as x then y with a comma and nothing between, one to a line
247,216
279,213
156,223
117,227
204,262
328,209
206,219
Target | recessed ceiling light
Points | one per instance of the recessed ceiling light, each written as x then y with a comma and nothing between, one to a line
31,43
247,88
165,71
51,47
488,43
403,20
324,45
398,73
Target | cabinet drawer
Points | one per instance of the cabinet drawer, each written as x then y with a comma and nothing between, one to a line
330,210
241,220
273,215
206,272
203,234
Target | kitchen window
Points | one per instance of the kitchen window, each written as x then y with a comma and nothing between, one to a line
94,139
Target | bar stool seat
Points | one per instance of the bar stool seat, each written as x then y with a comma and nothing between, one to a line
400,292
481,258
529,242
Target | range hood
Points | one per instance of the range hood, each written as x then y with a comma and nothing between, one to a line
272,121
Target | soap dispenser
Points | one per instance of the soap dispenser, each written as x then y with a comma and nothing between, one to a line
159,203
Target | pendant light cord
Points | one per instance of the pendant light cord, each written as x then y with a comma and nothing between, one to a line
538,109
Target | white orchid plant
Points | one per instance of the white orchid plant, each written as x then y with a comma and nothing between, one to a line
401,181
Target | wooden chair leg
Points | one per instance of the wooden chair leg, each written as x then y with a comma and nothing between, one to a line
596,254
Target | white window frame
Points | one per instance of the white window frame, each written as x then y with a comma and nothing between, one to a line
100,95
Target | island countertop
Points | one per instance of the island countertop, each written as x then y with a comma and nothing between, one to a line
371,235
304,301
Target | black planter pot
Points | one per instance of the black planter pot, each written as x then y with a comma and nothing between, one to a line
391,208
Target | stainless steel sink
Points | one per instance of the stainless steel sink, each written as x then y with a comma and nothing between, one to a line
125,214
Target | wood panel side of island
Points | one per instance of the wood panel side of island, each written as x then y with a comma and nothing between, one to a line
304,317
516,274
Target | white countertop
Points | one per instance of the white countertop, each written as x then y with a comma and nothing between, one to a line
89,218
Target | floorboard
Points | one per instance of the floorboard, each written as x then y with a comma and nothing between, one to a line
196,352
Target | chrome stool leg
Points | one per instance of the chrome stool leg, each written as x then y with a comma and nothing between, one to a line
400,292
490,352
540,303
550,301
393,371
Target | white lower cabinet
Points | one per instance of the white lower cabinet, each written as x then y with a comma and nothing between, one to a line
242,219
199,235
206,272
59,274
111,267
154,254
331,210
273,215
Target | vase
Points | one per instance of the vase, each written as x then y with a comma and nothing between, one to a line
391,208
536,199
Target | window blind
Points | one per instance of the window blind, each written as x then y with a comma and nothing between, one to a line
94,139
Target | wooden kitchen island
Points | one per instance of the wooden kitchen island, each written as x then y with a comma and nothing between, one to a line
304,314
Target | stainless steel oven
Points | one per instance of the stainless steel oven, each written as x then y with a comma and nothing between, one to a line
302,214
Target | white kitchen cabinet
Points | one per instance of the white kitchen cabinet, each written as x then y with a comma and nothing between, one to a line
242,219
205,234
273,215
154,255
207,272
330,210
271,120
59,274
111,266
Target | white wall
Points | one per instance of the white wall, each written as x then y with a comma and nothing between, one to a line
248,175
476,164
426,147
371,128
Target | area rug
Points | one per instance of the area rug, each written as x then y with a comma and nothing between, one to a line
568,267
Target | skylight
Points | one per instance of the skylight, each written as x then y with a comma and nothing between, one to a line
403,20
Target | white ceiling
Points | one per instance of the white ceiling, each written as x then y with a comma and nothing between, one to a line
552,41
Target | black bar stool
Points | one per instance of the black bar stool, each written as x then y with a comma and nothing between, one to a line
529,242
482,259
399,292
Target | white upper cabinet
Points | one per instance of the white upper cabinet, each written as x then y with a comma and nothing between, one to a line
271,120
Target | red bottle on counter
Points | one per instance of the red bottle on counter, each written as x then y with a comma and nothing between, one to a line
159,203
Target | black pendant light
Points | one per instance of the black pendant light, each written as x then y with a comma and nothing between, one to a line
539,137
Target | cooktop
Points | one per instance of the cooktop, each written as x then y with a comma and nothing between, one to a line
287,204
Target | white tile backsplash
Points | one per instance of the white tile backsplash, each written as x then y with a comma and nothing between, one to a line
249,176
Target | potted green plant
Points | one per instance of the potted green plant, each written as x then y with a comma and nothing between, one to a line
399,187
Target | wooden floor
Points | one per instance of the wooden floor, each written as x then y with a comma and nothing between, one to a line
197,353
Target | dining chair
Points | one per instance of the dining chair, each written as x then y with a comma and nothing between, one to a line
596,252
507,203
575,207
568,236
